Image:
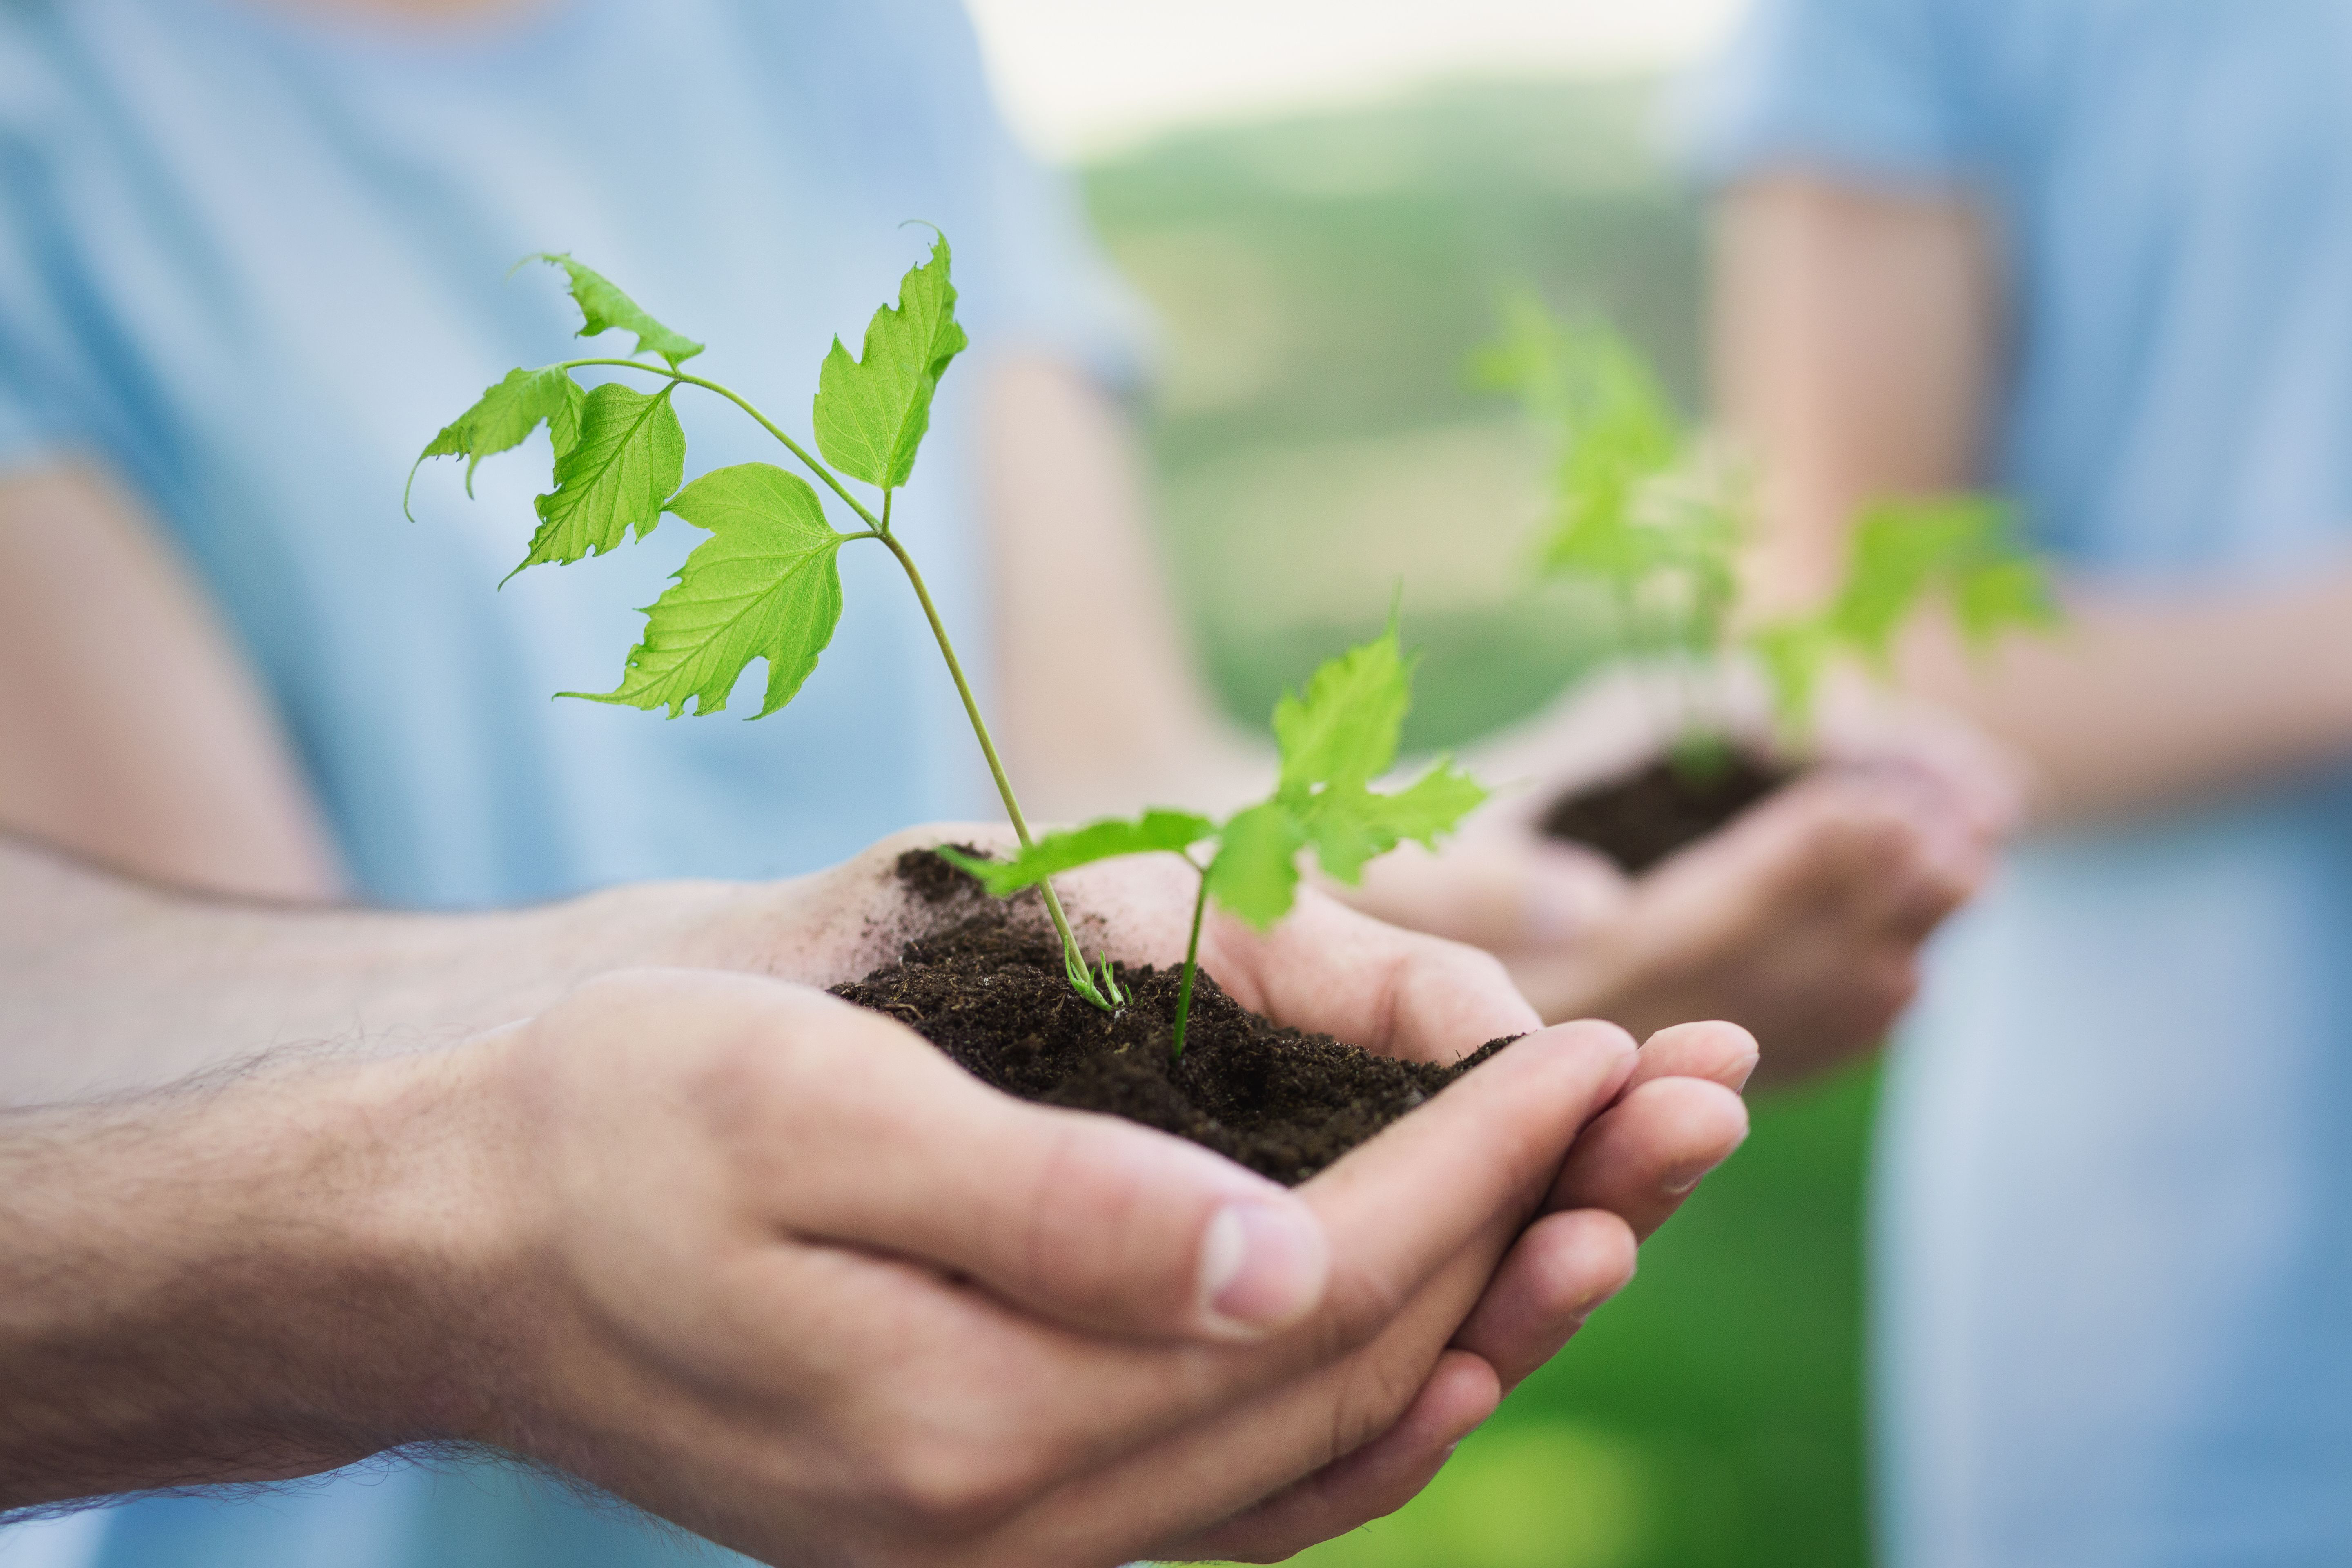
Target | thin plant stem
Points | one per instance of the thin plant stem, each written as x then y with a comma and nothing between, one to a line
1192,964
1073,957
1105,995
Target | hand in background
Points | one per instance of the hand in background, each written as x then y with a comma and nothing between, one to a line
1801,920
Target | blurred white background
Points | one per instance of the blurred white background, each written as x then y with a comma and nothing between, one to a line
1084,77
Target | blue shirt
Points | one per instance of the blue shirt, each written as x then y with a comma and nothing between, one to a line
252,261
2113,1253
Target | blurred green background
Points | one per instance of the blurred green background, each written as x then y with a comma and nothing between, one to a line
1321,283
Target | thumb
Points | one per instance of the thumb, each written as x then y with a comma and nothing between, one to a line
1099,1223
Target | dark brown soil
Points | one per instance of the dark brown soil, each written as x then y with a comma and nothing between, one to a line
989,992
1638,819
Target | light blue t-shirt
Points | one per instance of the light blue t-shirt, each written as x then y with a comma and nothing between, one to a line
2113,1262
251,261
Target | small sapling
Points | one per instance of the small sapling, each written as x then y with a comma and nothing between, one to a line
1336,737
1642,510
766,585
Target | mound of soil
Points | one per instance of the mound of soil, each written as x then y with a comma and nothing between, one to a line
1639,819
989,990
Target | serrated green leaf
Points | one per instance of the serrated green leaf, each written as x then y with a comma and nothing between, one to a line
503,417
766,585
1069,848
1429,808
1255,872
603,307
1344,726
627,459
1349,825
1904,551
872,412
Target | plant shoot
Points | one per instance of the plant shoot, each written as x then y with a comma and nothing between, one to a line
1336,737
766,585
1643,511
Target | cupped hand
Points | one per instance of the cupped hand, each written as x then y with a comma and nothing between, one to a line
1001,1329
1803,919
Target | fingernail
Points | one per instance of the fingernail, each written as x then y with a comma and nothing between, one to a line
1464,1436
1683,1178
1263,1268
1681,1182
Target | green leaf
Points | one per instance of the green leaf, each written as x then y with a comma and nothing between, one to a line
2002,595
1793,653
1635,509
766,585
1428,808
603,307
1349,825
503,417
1070,849
627,458
1343,727
1255,873
1905,551
872,412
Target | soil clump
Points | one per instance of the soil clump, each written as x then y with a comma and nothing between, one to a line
1640,818
988,989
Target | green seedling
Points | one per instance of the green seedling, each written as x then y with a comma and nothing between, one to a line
1637,507
766,585
1336,737
1640,509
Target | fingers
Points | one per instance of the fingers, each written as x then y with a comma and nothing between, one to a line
1402,1204
1718,1052
1642,1157
1328,968
1564,1267
1677,1119
1375,1480
1093,1222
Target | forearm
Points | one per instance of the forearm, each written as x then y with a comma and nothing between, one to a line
131,729
2145,700
1855,337
109,984
248,1281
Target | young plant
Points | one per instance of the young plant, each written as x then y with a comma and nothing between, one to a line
1638,507
766,585
1336,737
1643,511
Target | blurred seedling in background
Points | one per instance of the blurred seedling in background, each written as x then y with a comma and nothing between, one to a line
1337,736
766,585
1641,509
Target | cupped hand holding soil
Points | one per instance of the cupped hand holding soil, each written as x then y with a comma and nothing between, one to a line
1465,1243
1801,920
1526,1262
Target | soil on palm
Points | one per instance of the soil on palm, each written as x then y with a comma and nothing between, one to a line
1640,818
988,989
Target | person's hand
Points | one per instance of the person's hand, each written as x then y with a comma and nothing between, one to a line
1328,969
798,1282
1325,968
1802,921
